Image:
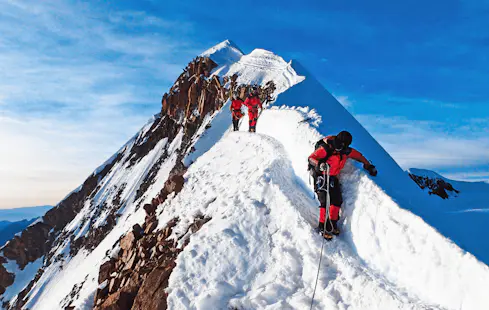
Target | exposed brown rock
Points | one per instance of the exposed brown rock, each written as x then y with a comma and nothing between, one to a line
137,231
105,270
131,262
150,227
118,301
149,208
132,284
151,295
128,241
114,284
103,292
6,278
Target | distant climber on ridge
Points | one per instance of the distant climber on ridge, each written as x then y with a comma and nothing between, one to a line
253,103
325,163
235,108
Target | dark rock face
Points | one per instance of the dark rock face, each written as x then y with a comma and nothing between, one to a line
29,246
105,270
436,186
6,279
8,230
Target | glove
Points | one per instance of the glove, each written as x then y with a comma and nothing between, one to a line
371,169
323,167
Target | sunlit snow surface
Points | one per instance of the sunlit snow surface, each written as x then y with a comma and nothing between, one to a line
22,277
260,251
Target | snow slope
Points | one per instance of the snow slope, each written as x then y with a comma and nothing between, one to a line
260,251
262,209
60,278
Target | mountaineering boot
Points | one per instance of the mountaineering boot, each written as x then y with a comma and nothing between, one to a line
328,236
320,228
336,230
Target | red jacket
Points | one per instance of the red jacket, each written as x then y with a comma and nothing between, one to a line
337,160
253,103
236,104
236,108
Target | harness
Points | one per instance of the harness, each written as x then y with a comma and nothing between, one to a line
322,184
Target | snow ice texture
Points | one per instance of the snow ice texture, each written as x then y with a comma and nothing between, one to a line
260,250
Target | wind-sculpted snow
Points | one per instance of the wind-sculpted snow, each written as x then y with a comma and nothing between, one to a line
260,251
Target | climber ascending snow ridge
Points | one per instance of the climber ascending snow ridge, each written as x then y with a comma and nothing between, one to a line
236,110
253,103
325,163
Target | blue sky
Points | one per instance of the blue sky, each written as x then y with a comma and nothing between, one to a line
77,79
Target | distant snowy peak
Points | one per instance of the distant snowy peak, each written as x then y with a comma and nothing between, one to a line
469,193
25,213
433,182
426,173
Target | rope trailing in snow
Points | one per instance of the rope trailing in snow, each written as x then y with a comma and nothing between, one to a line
322,243
317,275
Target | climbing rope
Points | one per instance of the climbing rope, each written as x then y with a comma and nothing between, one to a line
331,224
317,275
325,179
328,203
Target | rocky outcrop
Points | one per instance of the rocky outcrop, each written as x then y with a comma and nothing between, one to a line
197,93
152,293
29,246
436,186
138,276
6,279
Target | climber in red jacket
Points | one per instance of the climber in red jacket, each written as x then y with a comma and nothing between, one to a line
330,156
236,111
253,103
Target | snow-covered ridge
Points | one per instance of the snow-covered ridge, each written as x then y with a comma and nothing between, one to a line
260,251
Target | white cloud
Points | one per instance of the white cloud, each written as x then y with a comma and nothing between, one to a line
344,100
425,144
469,176
75,84
42,160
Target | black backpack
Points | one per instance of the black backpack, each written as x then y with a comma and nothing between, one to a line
329,152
